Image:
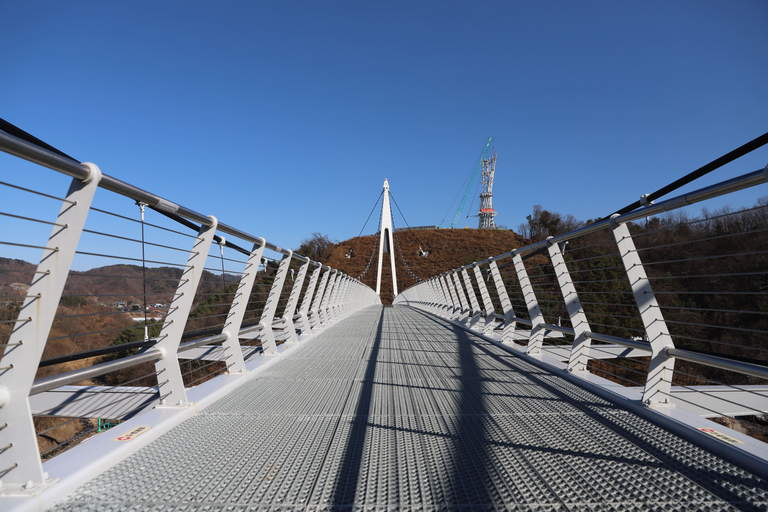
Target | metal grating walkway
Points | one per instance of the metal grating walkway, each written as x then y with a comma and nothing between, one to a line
394,409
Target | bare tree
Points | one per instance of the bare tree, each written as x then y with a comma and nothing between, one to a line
317,247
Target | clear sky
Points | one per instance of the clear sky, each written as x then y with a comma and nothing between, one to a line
284,118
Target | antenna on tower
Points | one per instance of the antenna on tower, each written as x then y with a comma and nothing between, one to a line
486,196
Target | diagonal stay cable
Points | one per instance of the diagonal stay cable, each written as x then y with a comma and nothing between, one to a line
366,222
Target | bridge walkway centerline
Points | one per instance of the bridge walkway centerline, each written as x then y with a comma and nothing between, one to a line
395,408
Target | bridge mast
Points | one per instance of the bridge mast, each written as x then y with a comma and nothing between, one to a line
486,196
385,237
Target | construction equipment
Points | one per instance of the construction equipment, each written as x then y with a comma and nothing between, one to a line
475,172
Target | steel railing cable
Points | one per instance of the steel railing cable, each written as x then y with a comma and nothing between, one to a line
418,241
191,225
698,173
375,246
688,178
21,134
366,223
399,249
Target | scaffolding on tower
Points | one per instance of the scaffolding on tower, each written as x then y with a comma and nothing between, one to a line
486,196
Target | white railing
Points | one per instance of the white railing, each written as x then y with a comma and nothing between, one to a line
670,310
75,362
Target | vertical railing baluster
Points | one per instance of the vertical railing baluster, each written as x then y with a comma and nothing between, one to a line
314,316
475,307
238,308
508,331
20,466
293,299
660,369
303,321
323,311
455,308
579,357
334,299
439,302
267,335
438,297
488,310
462,297
536,338
170,379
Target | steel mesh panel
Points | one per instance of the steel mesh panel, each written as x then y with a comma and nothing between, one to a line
393,409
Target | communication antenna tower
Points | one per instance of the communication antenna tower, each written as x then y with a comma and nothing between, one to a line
486,196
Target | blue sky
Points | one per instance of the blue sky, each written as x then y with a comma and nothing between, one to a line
284,118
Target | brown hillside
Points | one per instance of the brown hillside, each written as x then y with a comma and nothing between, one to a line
110,284
448,249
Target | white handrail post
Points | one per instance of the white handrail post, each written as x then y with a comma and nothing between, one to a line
323,311
238,308
489,311
314,316
337,299
536,338
20,466
660,369
507,333
442,298
267,335
579,358
302,322
345,298
475,313
169,377
437,297
454,304
462,297
334,299
293,299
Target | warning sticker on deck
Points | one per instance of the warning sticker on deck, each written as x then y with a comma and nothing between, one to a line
723,437
132,434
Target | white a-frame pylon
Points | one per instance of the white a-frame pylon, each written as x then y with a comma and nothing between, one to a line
385,238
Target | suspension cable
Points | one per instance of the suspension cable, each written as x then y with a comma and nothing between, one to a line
366,222
418,240
375,246
399,249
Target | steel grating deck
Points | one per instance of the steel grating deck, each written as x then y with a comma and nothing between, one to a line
393,409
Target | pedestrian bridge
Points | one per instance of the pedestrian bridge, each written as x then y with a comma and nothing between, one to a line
518,382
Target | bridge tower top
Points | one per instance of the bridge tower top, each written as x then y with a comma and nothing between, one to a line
386,243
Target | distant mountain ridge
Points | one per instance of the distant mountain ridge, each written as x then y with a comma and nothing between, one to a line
447,248
110,284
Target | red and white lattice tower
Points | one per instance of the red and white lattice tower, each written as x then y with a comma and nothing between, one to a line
486,196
